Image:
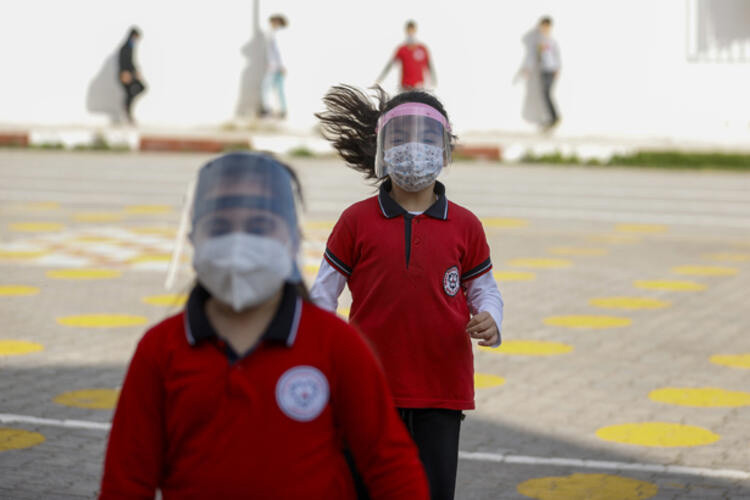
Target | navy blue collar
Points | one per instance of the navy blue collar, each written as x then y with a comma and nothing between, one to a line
390,209
282,329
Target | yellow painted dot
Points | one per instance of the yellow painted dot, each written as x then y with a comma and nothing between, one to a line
8,290
669,285
168,300
18,439
503,222
659,434
43,205
22,254
36,227
97,240
102,320
485,381
319,224
730,257
18,347
641,228
311,269
540,263
148,209
588,487
700,397
732,360
504,276
630,303
587,321
573,251
98,217
530,348
95,399
152,257
83,274
343,311
155,231
614,239
705,271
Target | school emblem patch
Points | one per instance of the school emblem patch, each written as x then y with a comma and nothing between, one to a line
302,393
451,281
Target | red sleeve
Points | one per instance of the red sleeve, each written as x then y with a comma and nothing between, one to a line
383,451
340,247
135,453
476,260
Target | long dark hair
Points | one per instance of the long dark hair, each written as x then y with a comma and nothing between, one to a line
351,117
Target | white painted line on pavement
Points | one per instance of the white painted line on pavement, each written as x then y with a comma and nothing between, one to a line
600,464
8,418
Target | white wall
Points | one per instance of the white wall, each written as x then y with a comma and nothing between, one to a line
625,66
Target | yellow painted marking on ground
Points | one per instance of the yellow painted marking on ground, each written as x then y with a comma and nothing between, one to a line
23,254
18,439
630,303
12,290
167,300
102,320
615,239
485,381
43,205
10,347
658,434
343,311
578,251
97,240
504,276
587,321
311,269
732,360
540,263
705,271
503,222
98,217
83,274
154,257
529,348
587,487
729,257
700,397
36,227
148,209
95,399
641,228
160,231
670,285
319,224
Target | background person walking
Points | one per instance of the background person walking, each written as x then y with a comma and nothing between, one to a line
275,71
130,77
415,61
546,60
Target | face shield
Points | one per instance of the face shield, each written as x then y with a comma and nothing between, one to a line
413,145
244,229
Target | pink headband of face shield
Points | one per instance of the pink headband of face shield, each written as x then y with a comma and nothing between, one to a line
413,109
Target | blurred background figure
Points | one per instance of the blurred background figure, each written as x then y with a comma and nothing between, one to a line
415,61
541,67
275,72
250,101
130,77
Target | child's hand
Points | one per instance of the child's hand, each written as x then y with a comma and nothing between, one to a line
482,326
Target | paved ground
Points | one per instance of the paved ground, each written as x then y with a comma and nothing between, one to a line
674,244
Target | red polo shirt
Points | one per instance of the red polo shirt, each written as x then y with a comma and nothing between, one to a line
198,421
406,274
415,60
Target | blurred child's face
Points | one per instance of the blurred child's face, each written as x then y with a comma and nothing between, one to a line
545,29
411,31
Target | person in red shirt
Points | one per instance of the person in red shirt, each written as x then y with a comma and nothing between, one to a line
252,391
417,266
415,61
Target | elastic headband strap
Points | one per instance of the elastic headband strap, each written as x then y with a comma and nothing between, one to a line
413,109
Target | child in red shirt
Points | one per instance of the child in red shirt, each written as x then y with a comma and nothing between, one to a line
417,266
252,391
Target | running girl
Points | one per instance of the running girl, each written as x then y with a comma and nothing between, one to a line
252,391
417,266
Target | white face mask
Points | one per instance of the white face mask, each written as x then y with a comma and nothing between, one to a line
242,270
413,166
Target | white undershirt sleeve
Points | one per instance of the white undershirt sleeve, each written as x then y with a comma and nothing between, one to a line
327,288
482,295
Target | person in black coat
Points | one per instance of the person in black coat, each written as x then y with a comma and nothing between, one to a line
130,77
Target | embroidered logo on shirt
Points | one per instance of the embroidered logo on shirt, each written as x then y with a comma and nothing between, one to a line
302,393
451,281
